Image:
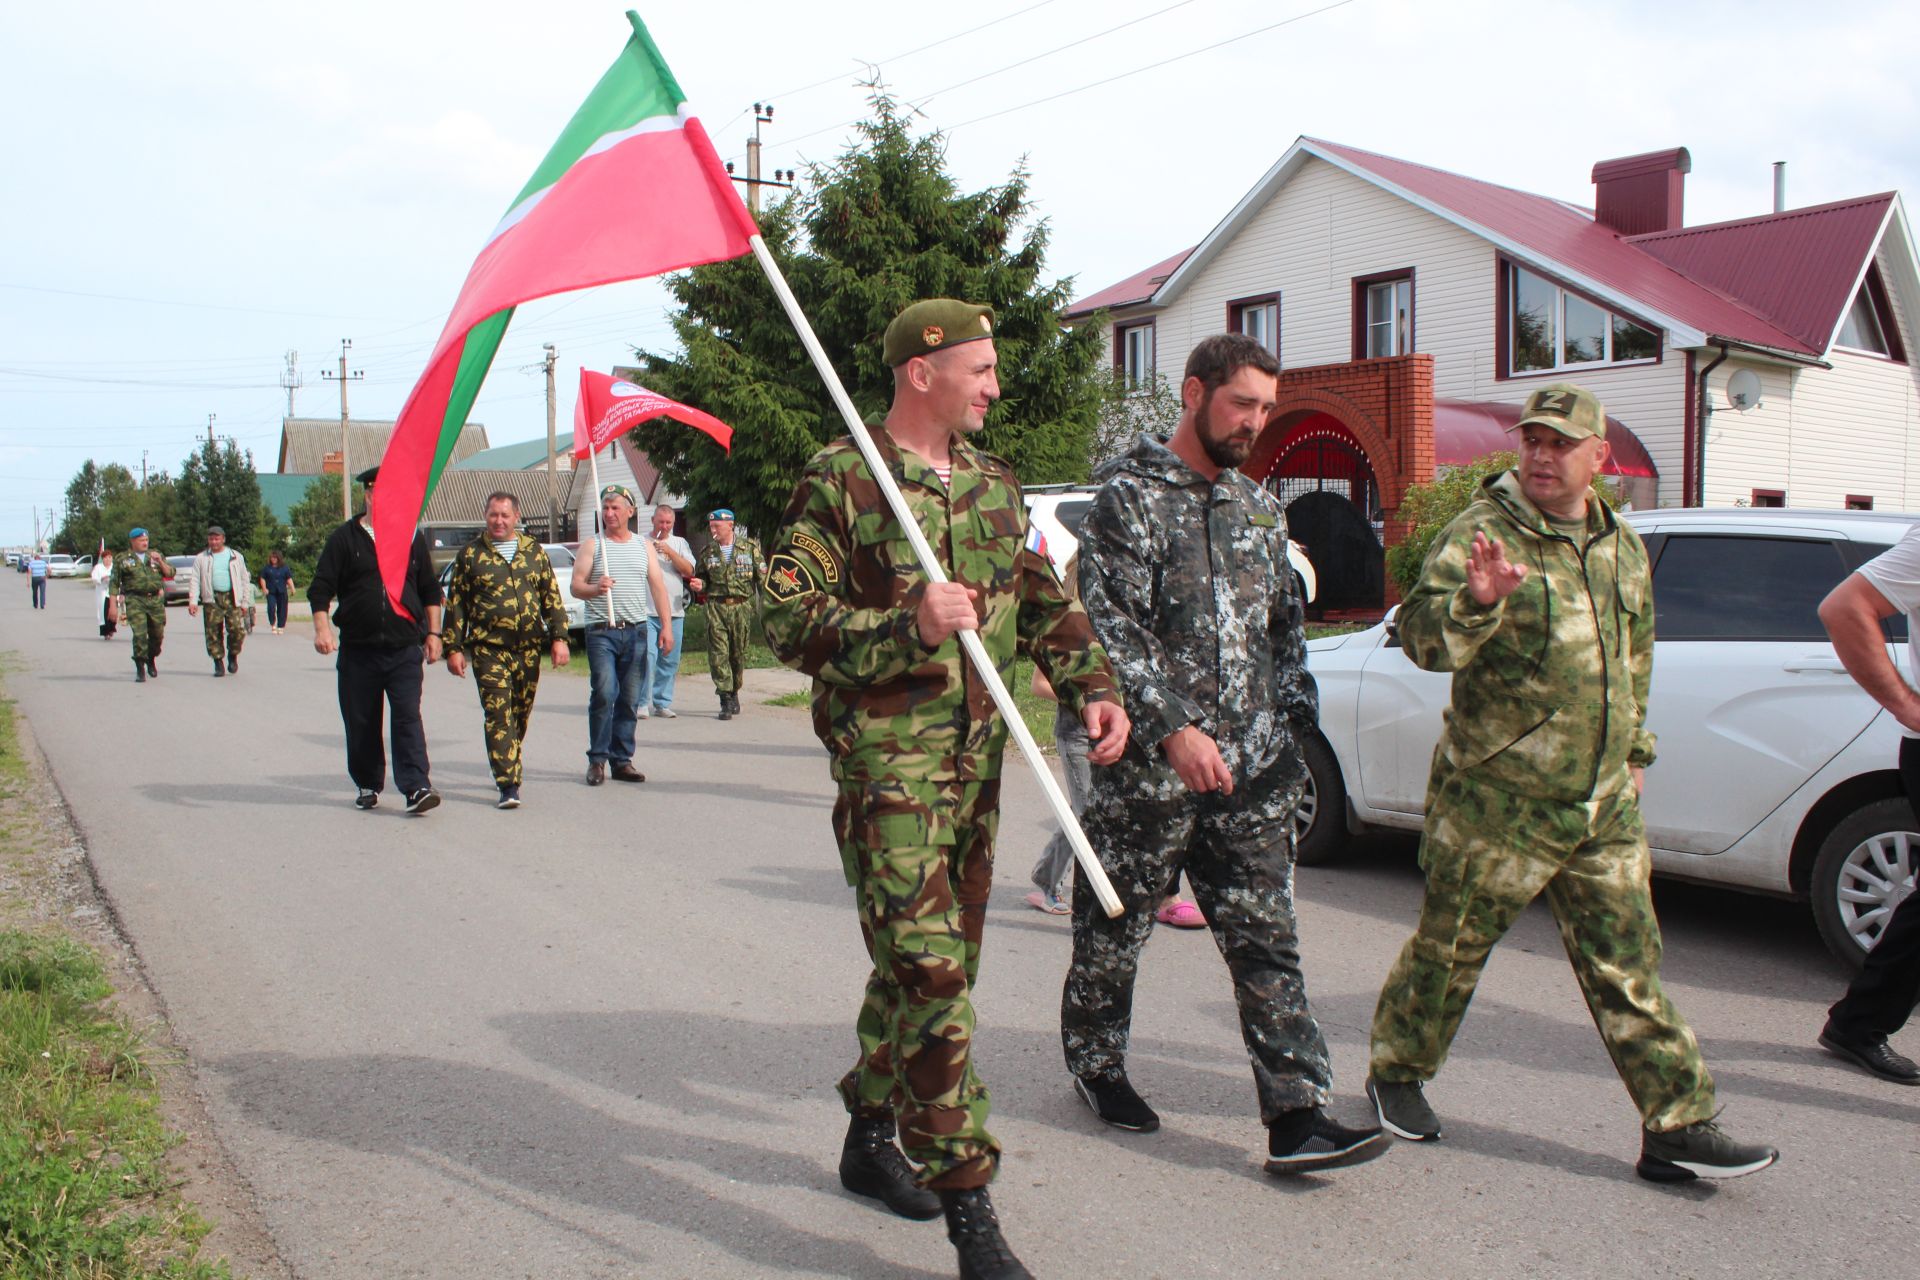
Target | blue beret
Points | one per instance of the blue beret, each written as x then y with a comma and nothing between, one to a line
720,513
137,533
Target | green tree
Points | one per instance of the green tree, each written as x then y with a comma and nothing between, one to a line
880,227
1130,410
316,515
216,486
1429,508
103,503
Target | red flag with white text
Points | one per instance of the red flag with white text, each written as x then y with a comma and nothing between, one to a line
610,407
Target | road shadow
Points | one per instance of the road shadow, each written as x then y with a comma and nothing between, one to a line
747,750
526,1136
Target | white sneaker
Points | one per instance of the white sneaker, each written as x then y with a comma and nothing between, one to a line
666,713
642,714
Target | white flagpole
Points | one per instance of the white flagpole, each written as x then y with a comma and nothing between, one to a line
969,640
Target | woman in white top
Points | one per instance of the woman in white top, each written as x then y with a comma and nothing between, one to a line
102,602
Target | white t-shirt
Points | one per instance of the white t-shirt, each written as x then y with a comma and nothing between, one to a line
1895,573
676,584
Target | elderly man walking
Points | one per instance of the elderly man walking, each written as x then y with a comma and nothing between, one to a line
616,573
137,583
676,565
219,584
733,569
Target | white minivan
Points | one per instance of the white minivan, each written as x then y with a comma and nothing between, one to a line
1776,772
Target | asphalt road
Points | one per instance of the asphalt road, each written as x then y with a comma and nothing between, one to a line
598,1036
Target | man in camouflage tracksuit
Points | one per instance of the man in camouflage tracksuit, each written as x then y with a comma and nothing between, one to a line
1540,602
137,586
915,744
504,611
226,606
733,569
1183,570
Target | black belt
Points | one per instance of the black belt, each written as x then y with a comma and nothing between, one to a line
139,593
614,626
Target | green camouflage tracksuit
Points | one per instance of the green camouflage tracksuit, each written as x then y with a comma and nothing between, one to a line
137,580
222,620
915,744
1186,581
504,617
730,588
1531,791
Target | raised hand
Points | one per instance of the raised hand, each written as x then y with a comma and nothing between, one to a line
1491,577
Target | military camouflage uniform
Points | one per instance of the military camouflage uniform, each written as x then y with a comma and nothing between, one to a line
137,581
223,619
1186,581
504,617
915,744
730,588
1530,791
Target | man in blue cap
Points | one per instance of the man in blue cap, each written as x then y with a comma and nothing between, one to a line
734,569
136,586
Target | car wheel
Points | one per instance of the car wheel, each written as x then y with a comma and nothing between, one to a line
1864,870
1320,823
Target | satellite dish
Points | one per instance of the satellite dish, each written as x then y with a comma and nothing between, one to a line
1743,390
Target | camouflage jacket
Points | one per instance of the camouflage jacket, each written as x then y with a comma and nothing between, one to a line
1550,684
495,604
843,587
1187,583
737,579
135,575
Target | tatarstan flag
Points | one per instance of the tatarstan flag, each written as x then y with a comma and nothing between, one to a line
633,188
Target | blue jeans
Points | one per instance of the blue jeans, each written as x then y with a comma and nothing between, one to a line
663,668
615,664
39,593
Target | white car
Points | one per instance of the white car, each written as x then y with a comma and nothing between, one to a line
61,565
1776,772
1056,510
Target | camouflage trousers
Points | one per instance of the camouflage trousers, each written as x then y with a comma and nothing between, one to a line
1487,854
1237,852
729,623
147,620
507,680
225,624
920,859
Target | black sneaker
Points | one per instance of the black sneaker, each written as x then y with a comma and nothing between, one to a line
1403,1109
1699,1151
870,1165
509,798
422,800
1880,1058
1327,1144
1112,1098
367,799
974,1229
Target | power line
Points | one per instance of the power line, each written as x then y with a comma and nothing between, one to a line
1071,44
899,57
175,302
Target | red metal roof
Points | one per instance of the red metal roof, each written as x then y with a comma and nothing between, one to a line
1137,287
1797,268
1465,431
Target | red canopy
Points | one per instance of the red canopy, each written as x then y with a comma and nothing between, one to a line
1467,430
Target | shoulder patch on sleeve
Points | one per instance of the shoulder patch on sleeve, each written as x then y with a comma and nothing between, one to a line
787,577
829,567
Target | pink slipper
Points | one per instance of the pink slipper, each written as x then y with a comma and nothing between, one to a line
1042,901
1181,914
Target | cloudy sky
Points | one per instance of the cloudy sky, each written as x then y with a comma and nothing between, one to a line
201,187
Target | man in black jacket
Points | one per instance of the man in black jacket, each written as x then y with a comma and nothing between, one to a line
380,654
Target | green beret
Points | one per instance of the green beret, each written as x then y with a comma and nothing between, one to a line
934,324
619,491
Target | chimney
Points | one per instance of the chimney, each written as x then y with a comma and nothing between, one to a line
1637,195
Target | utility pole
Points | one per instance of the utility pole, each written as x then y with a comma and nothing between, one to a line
762,114
143,468
553,484
210,418
346,468
291,380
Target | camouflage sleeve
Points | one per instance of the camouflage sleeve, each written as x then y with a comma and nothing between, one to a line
1299,695
552,608
809,620
1643,748
1441,625
453,624
1055,633
1116,586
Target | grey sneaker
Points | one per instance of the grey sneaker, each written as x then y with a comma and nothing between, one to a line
1403,1109
666,713
1699,1151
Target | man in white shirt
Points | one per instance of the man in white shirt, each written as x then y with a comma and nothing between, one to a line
676,565
1883,994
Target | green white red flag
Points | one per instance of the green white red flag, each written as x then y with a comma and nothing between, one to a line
610,406
633,188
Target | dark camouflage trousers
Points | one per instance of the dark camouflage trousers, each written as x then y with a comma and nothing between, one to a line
920,859
729,623
1487,854
225,624
1237,852
507,680
147,620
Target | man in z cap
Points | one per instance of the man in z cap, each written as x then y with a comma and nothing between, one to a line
915,745
1541,605
219,584
380,654
733,569
136,586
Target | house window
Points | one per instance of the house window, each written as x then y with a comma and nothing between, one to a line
1258,318
1869,324
1133,353
1859,502
1550,328
1383,315
1769,497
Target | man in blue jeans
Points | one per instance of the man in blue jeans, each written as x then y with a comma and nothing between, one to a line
615,574
676,564
37,572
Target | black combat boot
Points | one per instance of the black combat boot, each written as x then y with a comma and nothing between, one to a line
153,668
870,1165
733,702
726,707
139,671
975,1233
219,668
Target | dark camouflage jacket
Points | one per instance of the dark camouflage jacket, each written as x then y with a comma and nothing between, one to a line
843,587
736,579
1549,685
135,575
495,604
1188,586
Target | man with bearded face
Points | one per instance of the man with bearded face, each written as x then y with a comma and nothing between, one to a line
1184,574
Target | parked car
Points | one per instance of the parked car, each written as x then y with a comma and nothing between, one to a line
1056,510
62,565
174,589
1776,772
561,554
